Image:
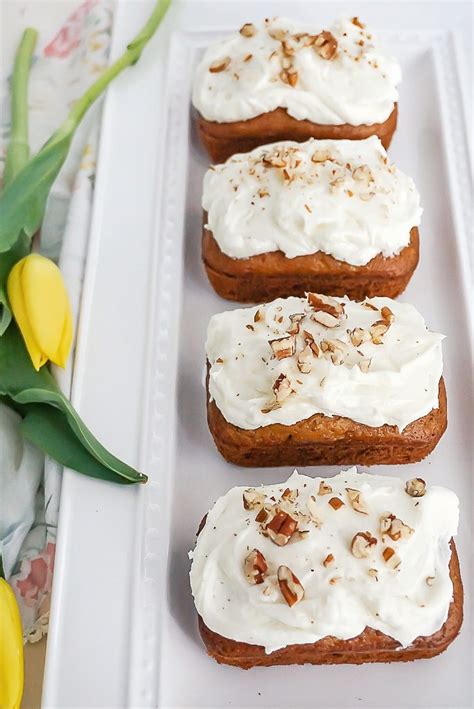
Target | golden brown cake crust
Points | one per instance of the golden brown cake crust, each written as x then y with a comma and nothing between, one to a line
222,140
370,646
325,440
264,277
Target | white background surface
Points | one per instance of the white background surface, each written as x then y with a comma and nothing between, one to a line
123,625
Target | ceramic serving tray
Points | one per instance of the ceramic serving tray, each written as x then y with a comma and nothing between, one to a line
123,627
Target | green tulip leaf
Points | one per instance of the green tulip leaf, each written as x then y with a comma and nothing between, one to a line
38,393
46,428
23,201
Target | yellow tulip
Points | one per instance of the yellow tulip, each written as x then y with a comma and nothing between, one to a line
11,649
41,308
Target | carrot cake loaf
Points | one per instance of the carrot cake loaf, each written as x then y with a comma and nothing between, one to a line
350,569
283,80
331,216
324,381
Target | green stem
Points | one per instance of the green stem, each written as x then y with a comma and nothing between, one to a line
130,57
18,148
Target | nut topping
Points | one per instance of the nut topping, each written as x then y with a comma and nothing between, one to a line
309,340
282,388
278,33
325,45
281,528
392,559
324,488
325,304
328,560
361,544
362,173
355,21
283,346
373,573
336,503
248,30
290,586
377,331
358,336
357,501
394,528
364,365
416,487
258,316
387,315
219,65
304,360
295,320
430,580
325,319
253,499
255,567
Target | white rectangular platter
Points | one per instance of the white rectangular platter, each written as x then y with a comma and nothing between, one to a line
123,629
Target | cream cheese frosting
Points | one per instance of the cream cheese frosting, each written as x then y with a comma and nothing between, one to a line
376,362
282,64
342,197
345,587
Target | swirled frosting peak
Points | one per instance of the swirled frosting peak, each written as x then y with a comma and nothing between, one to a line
374,362
342,197
328,77
295,562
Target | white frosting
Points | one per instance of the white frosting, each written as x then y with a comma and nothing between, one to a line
357,86
400,386
399,602
306,206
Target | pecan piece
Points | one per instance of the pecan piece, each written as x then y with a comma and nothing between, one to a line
392,559
416,487
283,346
248,30
253,499
255,567
281,528
290,586
325,304
361,544
325,45
357,501
219,65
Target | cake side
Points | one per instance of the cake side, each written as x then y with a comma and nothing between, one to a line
222,140
328,440
267,276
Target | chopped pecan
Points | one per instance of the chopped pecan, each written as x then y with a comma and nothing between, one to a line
281,527
282,388
392,559
416,487
328,560
324,488
336,503
219,65
325,304
290,585
283,346
248,30
253,499
325,45
255,567
361,544
357,501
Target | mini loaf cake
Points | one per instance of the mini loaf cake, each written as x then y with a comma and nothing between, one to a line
331,216
324,381
283,80
356,568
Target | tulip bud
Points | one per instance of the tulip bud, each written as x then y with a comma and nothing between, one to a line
40,305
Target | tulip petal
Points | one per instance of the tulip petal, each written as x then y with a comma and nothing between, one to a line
64,349
46,302
15,296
